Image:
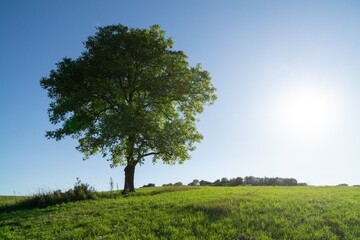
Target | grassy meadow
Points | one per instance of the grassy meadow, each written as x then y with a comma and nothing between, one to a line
9,200
243,212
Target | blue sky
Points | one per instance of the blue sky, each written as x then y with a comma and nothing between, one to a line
286,72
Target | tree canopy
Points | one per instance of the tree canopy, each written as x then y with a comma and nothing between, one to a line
129,96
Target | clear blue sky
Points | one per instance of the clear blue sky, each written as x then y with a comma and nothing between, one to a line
287,75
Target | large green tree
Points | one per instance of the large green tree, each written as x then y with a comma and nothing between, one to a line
129,96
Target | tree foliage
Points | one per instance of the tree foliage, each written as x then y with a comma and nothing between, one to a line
129,96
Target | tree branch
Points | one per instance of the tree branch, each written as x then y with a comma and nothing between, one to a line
149,154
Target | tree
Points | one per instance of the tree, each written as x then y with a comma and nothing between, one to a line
217,182
195,182
249,180
236,181
224,181
129,96
205,183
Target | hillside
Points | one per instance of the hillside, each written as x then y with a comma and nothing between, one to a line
196,213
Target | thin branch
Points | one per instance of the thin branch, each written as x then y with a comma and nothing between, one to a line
150,153
123,89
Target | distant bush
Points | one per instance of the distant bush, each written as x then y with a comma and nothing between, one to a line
178,184
302,184
167,185
343,185
149,185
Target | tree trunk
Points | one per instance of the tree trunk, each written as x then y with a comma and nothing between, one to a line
129,178
130,168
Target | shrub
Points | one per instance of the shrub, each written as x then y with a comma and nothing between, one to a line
81,191
343,185
149,185
167,185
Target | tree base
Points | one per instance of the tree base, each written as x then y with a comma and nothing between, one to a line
129,179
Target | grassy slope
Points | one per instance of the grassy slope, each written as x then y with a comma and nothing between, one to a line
197,213
6,200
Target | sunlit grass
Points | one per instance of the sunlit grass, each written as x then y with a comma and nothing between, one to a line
9,200
197,213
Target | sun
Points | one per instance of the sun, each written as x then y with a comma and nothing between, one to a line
308,112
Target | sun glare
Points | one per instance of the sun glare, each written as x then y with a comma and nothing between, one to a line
308,112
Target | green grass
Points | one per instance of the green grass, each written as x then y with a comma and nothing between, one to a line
9,200
197,213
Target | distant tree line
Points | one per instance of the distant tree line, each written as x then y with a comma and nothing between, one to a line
246,181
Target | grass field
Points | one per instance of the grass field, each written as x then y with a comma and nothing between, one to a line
6,200
196,213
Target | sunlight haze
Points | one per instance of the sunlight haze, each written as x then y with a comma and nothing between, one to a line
308,112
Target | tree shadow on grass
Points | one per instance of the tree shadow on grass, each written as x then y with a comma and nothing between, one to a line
30,203
161,190
213,210
13,217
